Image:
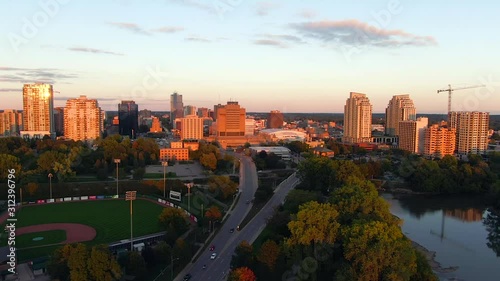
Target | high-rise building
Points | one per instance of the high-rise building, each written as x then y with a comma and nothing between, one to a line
400,108
11,122
203,112
128,113
275,120
59,121
156,126
230,120
38,110
412,134
144,114
357,119
176,107
472,131
216,110
191,128
189,110
439,141
249,127
82,119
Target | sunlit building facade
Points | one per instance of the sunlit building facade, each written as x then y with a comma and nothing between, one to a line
412,134
82,119
439,141
11,123
357,119
472,131
38,111
400,108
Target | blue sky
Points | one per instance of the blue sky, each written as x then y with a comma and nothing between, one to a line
294,56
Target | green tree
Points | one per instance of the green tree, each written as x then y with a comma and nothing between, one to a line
209,161
102,265
222,186
9,162
139,173
243,255
314,223
269,253
32,188
175,222
297,197
77,263
136,265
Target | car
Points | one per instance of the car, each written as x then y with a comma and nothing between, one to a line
213,256
212,248
231,230
238,228
187,277
248,202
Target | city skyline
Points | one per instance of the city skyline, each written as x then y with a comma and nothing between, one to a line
266,55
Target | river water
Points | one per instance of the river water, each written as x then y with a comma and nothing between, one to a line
458,229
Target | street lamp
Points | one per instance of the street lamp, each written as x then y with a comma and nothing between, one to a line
189,185
50,184
165,165
131,196
117,161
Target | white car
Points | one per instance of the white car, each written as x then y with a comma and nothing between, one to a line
213,256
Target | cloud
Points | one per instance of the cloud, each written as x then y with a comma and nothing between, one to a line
130,27
168,29
197,4
198,39
356,33
269,42
99,99
10,90
94,51
28,75
263,8
308,14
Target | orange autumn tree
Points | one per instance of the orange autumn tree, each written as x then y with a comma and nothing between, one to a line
213,213
242,274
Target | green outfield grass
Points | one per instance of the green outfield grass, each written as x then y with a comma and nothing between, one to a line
49,237
110,219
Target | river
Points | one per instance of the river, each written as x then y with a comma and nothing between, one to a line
458,229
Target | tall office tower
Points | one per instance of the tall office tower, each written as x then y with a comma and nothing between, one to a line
11,123
357,119
412,134
191,128
128,113
156,126
216,109
38,110
275,119
176,107
82,119
400,108
231,120
189,110
59,121
472,131
439,141
203,112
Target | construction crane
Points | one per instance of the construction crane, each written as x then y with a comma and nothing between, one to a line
450,89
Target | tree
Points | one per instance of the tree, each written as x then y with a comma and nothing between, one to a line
269,253
102,265
209,161
213,213
243,255
139,173
78,257
9,162
242,274
32,188
174,221
314,223
222,186
136,265
297,197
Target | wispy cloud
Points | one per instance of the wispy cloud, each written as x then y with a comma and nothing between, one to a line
308,14
357,33
130,27
57,97
263,8
270,42
199,4
10,90
94,51
198,39
278,40
168,29
27,75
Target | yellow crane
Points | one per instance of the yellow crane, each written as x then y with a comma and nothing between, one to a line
450,89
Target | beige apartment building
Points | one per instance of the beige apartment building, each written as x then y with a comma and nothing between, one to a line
11,122
439,141
412,134
400,108
191,128
472,131
357,119
82,119
38,110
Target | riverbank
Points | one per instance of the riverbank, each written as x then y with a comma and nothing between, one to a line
431,259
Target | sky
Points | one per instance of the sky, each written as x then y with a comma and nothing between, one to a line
292,56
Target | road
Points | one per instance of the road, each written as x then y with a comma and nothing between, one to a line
225,242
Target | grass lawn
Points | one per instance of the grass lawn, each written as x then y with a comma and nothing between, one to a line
49,237
110,218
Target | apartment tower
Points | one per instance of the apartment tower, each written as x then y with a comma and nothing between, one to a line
439,141
472,131
231,120
400,108
412,134
38,110
128,116
11,123
191,128
82,119
357,119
